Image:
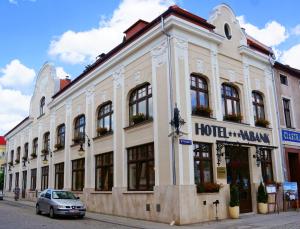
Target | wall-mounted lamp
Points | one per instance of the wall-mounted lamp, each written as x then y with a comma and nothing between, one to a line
81,150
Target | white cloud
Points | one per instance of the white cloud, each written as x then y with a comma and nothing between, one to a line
15,2
83,46
60,72
14,107
16,75
272,34
296,30
292,56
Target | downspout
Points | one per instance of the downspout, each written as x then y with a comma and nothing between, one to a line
170,77
271,61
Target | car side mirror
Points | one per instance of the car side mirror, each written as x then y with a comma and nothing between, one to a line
77,197
48,196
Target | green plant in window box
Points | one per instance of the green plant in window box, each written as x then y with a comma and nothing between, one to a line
10,163
262,123
33,155
102,131
208,187
138,118
58,146
24,158
233,117
77,140
202,111
17,161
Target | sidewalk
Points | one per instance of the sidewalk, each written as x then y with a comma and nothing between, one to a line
284,220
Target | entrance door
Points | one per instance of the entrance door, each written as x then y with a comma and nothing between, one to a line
24,181
294,169
237,164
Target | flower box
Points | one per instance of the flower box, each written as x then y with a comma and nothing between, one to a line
44,151
78,140
58,146
233,117
24,158
202,111
33,155
102,131
262,123
17,161
208,188
10,163
138,118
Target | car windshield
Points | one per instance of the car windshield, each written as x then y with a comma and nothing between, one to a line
63,195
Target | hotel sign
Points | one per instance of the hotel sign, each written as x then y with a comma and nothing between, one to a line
223,132
290,136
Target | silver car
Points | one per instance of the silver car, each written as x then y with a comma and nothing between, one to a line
59,203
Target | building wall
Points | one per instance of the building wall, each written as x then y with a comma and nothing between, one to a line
194,50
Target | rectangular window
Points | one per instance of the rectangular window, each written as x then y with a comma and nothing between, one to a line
78,175
104,172
33,180
141,175
283,80
17,180
59,176
203,163
266,166
10,182
287,112
44,177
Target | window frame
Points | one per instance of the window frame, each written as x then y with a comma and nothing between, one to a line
33,173
198,147
198,90
81,171
256,105
18,156
107,167
235,110
138,164
77,128
59,175
44,177
266,160
35,145
26,150
135,100
283,80
60,135
46,142
101,116
286,104
17,177
42,105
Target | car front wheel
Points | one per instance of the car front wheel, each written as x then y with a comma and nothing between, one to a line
51,213
37,209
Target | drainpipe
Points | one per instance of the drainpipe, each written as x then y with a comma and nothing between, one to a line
170,77
272,62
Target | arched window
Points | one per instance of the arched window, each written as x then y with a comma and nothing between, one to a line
140,104
34,148
25,156
18,155
231,103
42,106
105,119
79,129
199,96
46,143
258,106
60,140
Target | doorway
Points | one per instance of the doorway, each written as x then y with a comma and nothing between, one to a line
294,169
24,182
237,165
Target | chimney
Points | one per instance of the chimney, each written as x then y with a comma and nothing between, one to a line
136,27
64,82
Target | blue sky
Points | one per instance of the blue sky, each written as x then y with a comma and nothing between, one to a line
70,33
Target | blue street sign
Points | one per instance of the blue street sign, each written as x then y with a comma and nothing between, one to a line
185,142
290,136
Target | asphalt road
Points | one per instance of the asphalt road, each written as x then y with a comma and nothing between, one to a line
17,216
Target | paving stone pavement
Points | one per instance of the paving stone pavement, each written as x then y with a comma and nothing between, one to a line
284,220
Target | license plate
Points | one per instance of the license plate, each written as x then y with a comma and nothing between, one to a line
73,211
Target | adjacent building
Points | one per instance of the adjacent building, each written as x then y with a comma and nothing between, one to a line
106,135
288,94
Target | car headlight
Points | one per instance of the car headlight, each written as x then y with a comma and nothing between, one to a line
60,206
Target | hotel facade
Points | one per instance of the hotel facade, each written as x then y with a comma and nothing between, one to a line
107,136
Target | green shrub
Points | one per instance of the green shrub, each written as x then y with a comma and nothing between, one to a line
262,196
234,196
